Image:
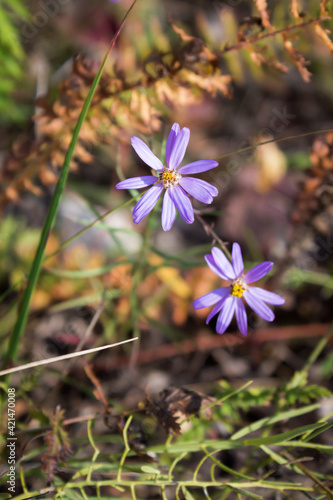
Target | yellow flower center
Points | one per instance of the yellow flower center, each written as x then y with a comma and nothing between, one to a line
169,177
238,288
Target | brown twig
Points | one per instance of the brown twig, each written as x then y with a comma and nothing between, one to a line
209,342
210,231
241,45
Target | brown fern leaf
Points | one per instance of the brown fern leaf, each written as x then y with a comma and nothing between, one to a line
295,9
270,61
323,34
194,45
262,7
314,206
324,8
58,445
298,59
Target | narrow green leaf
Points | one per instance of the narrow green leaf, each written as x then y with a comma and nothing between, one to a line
318,431
247,494
85,300
72,494
284,436
286,415
85,273
150,470
325,448
187,494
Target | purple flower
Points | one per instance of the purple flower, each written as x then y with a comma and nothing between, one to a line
228,299
172,179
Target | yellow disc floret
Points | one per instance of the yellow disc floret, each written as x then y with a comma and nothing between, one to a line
169,177
237,288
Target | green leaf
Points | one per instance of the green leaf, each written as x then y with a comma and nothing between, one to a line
72,494
247,494
85,300
187,494
85,273
18,8
284,436
150,470
286,415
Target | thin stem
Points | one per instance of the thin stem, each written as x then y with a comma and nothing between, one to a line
248,148
318,349
71,355
89,226
127,447
210,231
241,45
96,450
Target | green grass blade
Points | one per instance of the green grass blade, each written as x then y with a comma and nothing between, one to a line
286,415
284,436
52,212
85,273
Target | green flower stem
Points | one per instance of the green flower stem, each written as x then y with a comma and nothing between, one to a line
275,485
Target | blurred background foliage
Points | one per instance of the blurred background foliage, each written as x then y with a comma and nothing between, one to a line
13,61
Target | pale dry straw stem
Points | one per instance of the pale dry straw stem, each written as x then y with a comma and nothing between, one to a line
34,364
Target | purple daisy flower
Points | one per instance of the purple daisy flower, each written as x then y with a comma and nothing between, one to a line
228,299
172,179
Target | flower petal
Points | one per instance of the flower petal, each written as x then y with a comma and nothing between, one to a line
204,185
179,148
258,272
183,204
266,296
215,310
212,190
147,203
168,212
258,305
237,260
137,182
146,154
210,298
226,314
223,263
212,265
196,167
175,129
194,188
241,317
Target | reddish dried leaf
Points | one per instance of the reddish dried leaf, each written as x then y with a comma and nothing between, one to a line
262,7
98,391
298,59
323,34
58,445
324,8
295,8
